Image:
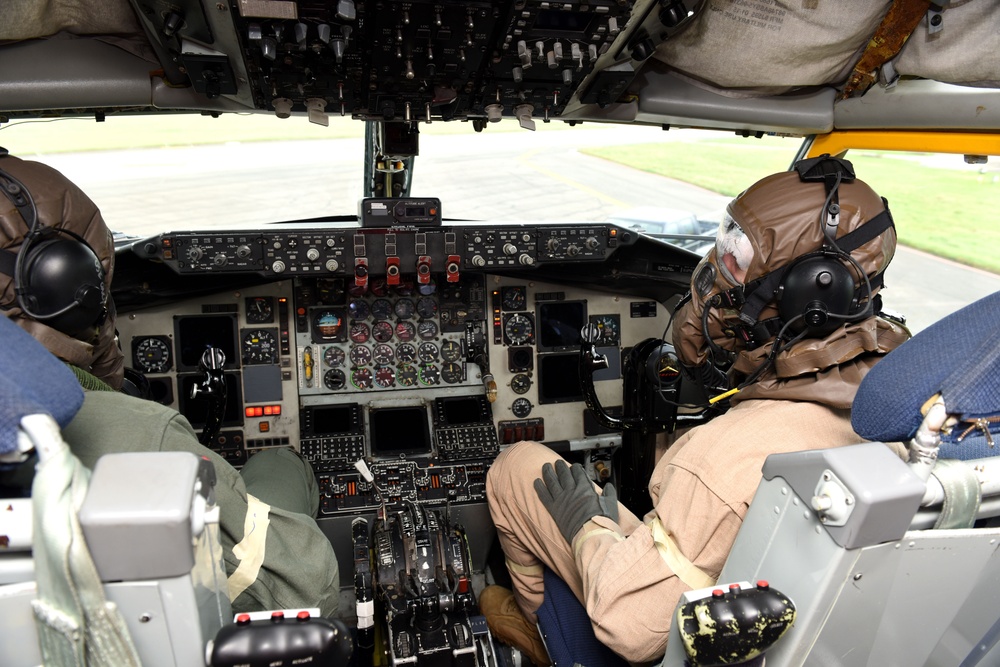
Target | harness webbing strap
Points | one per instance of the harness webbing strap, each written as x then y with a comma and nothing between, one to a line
866,232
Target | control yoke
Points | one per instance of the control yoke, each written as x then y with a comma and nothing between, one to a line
651,385
212,389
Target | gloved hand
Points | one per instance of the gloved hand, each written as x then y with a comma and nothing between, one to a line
570,497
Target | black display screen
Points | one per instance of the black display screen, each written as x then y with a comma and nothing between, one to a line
395,430
560,323
196,409
461,410
333,420
559,378
196,333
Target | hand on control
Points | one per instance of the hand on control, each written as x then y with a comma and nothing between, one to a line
569,496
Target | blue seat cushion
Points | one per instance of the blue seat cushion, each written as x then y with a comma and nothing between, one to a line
32,381
958,357
566,629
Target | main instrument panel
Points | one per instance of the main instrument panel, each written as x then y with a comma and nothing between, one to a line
423,351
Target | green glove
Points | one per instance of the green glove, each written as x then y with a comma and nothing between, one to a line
570,497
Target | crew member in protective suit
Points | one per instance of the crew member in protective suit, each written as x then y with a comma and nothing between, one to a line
788,302
275,554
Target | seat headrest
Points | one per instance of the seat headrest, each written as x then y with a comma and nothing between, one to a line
957,357
32,381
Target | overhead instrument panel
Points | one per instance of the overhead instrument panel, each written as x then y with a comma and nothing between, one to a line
421,61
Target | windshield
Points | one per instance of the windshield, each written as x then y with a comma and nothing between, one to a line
151,175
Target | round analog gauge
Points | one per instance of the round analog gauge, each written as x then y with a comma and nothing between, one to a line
427,352
427,329
520,383
430,374
361,355
521,407
334,379
383,354
607,329
405,287
358,309
452,373
427,288
514,298
362,378
404,309
334,356
379,286
385,376
382,331
518,329
451,351
360,332
260,310
405,331
260,346
152,354
382,309
427,307
328,323
406,375
406,352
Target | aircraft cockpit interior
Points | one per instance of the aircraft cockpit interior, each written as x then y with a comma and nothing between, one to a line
401,341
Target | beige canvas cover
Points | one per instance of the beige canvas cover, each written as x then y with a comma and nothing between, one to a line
768,47
964,48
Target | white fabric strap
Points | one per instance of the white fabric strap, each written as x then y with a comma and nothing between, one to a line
530,570
251,548
678,563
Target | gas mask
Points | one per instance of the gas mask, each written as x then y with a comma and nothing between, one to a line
786,264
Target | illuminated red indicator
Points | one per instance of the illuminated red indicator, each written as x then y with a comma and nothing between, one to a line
614,232
302,615
268,410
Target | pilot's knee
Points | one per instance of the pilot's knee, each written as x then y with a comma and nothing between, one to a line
519,464
282,478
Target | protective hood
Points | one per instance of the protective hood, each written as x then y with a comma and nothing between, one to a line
61,204
737,288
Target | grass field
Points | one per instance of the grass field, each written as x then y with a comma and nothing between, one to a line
949,212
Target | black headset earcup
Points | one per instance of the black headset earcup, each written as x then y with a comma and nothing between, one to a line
63,283
816,287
